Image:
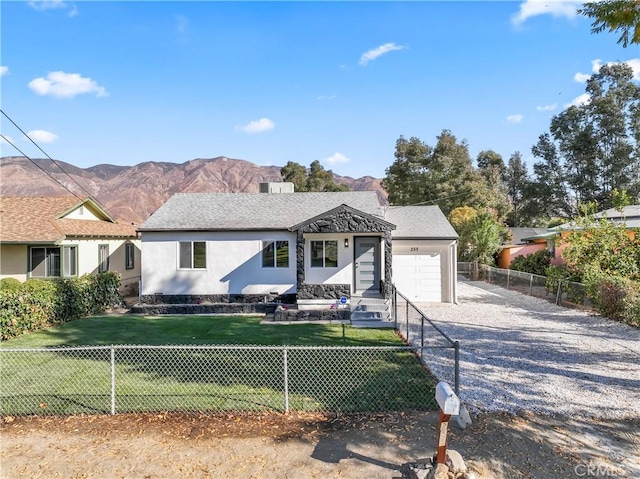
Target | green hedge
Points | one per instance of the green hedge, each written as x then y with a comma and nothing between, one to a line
38,303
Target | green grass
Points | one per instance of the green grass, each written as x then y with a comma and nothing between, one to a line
205,377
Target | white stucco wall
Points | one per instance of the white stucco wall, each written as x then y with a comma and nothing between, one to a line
448,266
343,274
82,213
13,261
234,264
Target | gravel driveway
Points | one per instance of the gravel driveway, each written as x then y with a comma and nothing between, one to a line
520,353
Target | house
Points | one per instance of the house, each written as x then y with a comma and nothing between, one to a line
524,241
308,248
60,237
630,215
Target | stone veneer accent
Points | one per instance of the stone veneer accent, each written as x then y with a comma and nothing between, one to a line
312,315
220,308
203,299
340,220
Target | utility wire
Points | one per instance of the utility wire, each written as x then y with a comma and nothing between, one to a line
45,153
38,166
428,202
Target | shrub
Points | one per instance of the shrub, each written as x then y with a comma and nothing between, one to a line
615,297
37,303
9,283
535,263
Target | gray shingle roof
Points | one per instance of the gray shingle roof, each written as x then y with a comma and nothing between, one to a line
420,222
242,211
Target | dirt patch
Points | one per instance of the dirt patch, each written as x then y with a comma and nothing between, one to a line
303,445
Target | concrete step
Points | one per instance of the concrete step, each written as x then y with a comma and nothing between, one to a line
369,309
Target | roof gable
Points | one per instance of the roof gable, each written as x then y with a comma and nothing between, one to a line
42,220
343,219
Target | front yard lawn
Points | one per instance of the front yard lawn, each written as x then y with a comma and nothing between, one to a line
315,373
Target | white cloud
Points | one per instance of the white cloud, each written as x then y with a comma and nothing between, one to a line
579,100
42,136
581,77
42,5
337,158
65,85
515,118
555,8
257,126
4,70
376,52
551,107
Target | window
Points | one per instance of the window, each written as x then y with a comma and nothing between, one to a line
275,254
103,258
45,262
324,254
70,261
129,255
193,255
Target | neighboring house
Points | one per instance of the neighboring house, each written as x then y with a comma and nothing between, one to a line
630,215
524,241
309,248
59,237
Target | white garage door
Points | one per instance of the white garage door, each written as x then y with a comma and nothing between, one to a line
418,276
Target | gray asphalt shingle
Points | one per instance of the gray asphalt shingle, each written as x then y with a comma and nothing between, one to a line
420,222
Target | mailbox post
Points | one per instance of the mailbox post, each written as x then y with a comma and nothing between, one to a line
449,406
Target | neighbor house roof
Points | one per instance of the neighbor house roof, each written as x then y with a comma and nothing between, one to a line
253,211
41,220
522,235
420,222
630,215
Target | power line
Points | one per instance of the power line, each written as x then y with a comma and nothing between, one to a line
429,201
38,166
45,153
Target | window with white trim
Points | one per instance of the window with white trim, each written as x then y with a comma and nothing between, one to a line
275,254
103,258
193,255
324,254
44,262
129,255
70,261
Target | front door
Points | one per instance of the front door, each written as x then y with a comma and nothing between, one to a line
367,263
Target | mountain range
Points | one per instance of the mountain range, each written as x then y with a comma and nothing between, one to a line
132,193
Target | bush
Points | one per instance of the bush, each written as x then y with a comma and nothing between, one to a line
535,263
9,283
615,297
38,303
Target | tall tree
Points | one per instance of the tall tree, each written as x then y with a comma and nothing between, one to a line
442,175
592,148
296,174
316,178
494,191
516,178
621,16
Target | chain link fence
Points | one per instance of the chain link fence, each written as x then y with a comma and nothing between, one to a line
561,292
118,379
438,352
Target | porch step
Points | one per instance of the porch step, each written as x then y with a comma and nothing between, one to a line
369,309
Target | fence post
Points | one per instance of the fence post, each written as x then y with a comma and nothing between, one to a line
421,337
113,380
559,294
530,285
286,381
407,310
508,276
456,366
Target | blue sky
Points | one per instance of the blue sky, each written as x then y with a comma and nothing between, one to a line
270,82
